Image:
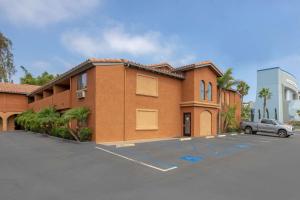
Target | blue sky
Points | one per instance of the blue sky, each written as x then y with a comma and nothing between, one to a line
245,35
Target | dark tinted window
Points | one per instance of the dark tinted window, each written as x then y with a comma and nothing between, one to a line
266,121
82,81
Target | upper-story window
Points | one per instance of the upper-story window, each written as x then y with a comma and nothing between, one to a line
209,92
202,90
146,85
82,81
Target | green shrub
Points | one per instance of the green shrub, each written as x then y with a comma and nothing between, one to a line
294,123
29,121
47,119
61,132
85,134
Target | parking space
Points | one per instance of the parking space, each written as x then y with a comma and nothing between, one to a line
172,154
233,167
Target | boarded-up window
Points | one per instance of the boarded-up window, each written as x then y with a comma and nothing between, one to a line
146,85
146,119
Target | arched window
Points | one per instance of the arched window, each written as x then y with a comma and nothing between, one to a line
209,92
259,116
267,111
202,90
276,117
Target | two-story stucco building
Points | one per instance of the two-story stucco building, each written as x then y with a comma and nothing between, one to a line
131,101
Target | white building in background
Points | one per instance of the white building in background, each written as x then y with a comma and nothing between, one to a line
284,102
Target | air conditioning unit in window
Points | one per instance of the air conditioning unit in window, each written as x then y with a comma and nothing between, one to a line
80,94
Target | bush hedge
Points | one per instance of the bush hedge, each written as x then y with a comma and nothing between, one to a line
51,122
85,134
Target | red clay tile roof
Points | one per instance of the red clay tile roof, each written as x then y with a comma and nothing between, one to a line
158,65
174,72
199,65
17,88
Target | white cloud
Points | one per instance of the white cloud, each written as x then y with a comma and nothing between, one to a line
116,42
43,12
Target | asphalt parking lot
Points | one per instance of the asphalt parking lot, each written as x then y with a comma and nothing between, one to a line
238,167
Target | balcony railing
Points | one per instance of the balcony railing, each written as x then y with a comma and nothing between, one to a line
59,101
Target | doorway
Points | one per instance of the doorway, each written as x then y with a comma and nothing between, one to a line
205,123
187,124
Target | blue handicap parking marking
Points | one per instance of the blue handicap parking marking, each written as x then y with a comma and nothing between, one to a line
191,159
242,146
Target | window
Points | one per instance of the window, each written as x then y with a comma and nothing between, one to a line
209,92
259,116
202,90
276,117
267,121
82,81
252,114
146,85
146,119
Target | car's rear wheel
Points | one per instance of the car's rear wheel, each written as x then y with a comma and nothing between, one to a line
248,130
282,133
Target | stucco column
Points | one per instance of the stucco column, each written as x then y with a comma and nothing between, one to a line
4,124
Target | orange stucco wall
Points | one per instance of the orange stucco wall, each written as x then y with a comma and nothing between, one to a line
89,100
10,105
167,103
117,101
192,103
13,102
109,103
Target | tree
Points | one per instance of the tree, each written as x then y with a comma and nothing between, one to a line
246,112
298,112
42,79
80,115
265,94
243,89
229,118
225,82
7,68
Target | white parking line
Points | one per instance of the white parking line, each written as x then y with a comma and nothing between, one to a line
221,135
125,145
185,139
136,161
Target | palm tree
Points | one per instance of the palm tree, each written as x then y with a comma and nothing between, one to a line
265,94
80,115
229,118
243,89
47,118
225,82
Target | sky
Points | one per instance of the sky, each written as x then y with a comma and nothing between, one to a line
56,35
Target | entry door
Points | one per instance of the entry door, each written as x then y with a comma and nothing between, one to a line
205,123
187,124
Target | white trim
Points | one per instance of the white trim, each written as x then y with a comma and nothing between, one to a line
138,162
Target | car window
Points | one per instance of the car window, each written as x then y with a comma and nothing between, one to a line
263,121
266,121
